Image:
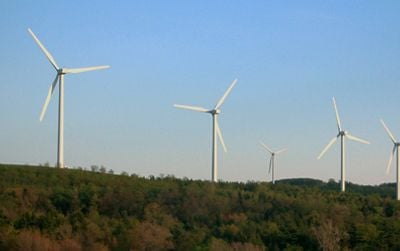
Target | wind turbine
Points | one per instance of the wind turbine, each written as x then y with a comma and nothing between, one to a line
342,134
60,79
272,159
216,130
395,150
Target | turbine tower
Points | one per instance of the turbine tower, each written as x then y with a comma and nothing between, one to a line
343,135
216,130
272,159
395,150
60,79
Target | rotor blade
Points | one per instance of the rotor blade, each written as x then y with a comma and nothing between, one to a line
221,101
339,125
84,69
270,165
46,103
221,139
388,132
281,151
266,147
357,139
48,55
390,160
327,147
194,108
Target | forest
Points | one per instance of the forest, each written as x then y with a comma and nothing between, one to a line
44,208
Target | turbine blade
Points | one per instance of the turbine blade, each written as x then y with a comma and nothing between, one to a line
221,101
46,103
388,132
84,69
327,147
339,125
270,165
193,108
357,139
281,151
390,160
266,147
45,51
221,139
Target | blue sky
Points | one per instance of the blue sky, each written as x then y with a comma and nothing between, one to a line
290,58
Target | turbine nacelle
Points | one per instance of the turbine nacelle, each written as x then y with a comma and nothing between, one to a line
214,111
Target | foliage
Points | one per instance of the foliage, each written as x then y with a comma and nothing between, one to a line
43,208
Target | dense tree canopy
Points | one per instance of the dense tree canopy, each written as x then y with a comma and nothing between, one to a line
44,208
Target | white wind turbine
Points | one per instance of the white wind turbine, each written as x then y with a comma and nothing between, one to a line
59,78
395,150
272,159
216,130
342,134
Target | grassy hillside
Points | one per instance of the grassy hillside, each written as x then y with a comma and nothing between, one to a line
45,208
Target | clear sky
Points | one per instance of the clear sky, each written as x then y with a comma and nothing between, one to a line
290,58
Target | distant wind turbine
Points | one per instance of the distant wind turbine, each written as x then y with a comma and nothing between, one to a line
395,150
342,134
272,159
216,130
60,78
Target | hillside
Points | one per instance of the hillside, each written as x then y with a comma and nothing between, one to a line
44,208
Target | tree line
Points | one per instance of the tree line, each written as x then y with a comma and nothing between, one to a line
43,208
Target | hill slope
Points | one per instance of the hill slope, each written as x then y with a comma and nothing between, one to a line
43,207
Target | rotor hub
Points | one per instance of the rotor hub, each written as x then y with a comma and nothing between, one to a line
215,111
